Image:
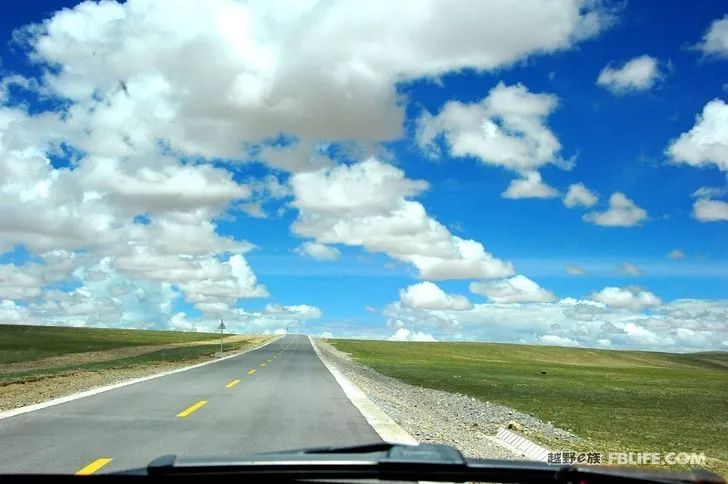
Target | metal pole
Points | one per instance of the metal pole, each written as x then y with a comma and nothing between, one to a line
221,330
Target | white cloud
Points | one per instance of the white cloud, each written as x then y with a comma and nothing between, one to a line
168,186
575,270
638,74
582,322
214,287
404,334
274,319
426,295
326,335
318,251
365,204
179,322
300,311
140,123
676,254
530,186
260,58
707,141
626,298
710,210
253,209
517,289
26,281
554,340
715,40
709,192
622,212
630,269
579,195
506,128
370,309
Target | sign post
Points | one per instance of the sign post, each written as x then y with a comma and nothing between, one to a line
221,328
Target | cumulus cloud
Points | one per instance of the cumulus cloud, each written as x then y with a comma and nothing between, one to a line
215,286
253,209
517,289
427,295
715,40
632,298
579,195
706,143
622,212
273,319
147,137
530,186
19,282
676,254
707,210
259,58
681,325
318,251
638,74
367,204
506,128
404,334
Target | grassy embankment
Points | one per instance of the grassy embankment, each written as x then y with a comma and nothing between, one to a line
31,353
616,400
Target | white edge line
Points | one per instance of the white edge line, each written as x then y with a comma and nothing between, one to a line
383,424
114,386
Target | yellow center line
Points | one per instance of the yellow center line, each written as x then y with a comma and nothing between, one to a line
251,372
192,408
262,365
232,383
93,467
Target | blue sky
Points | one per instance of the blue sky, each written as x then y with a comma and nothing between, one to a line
134,134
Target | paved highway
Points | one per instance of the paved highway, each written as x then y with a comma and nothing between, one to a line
277,397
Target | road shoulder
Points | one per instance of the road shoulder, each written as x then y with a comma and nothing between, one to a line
382,423
430,416
99,382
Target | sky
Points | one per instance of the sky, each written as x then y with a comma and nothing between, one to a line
549,172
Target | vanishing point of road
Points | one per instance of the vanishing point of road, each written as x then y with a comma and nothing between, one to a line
277,397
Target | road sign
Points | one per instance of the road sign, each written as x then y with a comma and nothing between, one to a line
221,328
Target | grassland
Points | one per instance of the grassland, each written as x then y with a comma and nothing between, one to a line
615,400
24,343
42,362
182,354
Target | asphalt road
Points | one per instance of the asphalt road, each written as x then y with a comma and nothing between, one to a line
289,401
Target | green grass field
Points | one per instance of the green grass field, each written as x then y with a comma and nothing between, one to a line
23,343
168,355
616,400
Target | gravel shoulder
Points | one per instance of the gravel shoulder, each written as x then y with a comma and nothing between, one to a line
434,416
